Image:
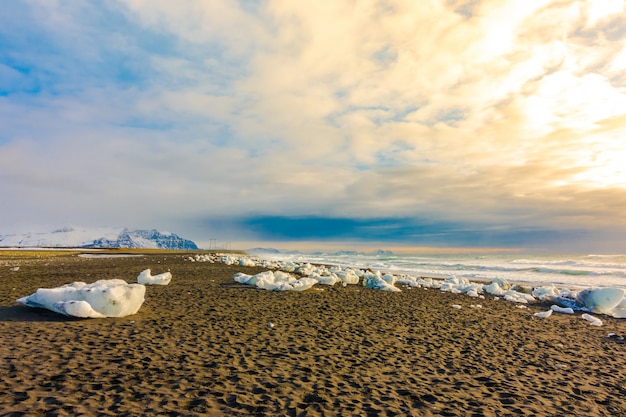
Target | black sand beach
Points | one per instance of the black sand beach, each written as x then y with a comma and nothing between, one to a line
202,346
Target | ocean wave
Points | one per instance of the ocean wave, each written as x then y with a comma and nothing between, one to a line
546,262
540,269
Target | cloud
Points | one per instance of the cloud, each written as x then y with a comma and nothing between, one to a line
479,114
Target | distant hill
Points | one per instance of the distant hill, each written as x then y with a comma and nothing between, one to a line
263,251
76,237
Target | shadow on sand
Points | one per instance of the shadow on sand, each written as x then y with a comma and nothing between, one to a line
20,313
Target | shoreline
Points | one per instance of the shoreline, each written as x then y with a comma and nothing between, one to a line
202,346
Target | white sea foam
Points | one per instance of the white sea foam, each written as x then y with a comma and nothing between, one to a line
580,271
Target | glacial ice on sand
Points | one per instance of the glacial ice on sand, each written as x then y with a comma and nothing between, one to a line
601,300
145,277
275,281
609,301
104,298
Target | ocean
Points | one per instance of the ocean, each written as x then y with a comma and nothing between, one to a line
571,271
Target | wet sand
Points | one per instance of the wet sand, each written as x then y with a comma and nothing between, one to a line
202,346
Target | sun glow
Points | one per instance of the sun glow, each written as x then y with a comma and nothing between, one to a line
605,161
608,171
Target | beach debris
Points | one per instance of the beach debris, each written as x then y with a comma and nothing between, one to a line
146,278
543,314
593,320
478,306
616,337
457,306
103,298
271,325
15,268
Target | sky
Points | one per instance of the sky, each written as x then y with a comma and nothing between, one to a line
433,123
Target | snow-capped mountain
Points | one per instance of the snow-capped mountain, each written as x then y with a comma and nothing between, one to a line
76,237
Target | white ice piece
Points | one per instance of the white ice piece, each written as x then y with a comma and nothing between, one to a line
601,300
246,262
559,309
330,279
593,320
348,276
543,314
375,281
104,298
275,281
146,278
494,289
620,310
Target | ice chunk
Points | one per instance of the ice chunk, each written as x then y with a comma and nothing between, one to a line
77,309
145,277
376,282
518,297
348,276
247,262
593,320
245,278
305,270
331,279
389,278
558,309
275,281
601,300
543,314
104,298
494,289
502,283
620,311
546,293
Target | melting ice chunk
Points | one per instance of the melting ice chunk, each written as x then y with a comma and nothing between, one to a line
104,298
543,314
275,281
565,310
593,320
601,300
376,281
145,277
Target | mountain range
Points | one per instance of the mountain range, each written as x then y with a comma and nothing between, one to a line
112,237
